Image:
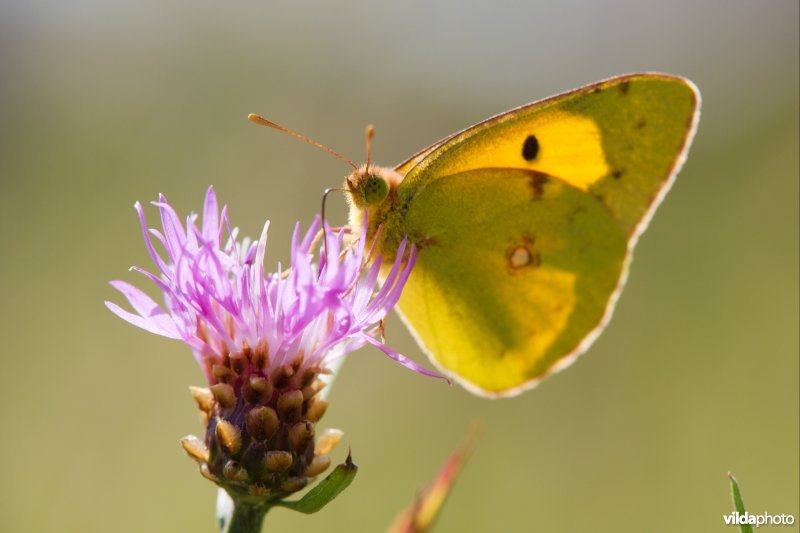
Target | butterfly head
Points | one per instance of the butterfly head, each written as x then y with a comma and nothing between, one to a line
370,187
371,192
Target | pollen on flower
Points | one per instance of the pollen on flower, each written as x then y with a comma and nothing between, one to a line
265,341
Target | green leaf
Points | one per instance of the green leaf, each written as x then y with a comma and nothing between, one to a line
326,490
738,504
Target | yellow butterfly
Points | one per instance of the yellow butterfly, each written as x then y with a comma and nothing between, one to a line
525,224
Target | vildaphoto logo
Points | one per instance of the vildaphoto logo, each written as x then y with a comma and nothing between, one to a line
758,520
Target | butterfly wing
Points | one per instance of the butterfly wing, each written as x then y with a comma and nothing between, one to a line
525,223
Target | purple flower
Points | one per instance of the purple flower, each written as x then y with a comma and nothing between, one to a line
219,300
263,340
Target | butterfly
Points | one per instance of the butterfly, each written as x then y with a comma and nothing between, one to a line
524,224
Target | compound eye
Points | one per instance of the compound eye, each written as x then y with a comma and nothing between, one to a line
375,189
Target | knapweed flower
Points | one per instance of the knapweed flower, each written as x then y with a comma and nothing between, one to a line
264,340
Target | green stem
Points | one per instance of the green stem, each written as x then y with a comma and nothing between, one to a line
246,518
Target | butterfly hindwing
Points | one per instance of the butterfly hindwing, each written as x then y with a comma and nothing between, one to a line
499,296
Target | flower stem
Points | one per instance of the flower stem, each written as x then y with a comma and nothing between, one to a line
246,518
239,516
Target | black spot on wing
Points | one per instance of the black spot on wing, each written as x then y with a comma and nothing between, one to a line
641,124
624,87
530,148
617,174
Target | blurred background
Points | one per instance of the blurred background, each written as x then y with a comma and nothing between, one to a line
106,103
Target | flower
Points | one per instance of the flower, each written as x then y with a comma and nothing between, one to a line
263,340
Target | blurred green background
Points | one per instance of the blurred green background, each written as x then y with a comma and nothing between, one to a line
105,103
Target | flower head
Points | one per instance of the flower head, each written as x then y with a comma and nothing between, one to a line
262,339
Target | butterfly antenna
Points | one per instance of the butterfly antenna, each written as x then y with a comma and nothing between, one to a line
252,117
369,134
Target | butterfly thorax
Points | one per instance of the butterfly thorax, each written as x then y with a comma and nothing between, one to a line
372,192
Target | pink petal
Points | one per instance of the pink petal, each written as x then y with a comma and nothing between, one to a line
403,360
158,325
211,217
173,231
147,242
141,303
